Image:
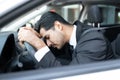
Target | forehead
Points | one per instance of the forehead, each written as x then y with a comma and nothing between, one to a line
44,32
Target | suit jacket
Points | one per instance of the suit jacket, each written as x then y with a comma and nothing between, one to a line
91,47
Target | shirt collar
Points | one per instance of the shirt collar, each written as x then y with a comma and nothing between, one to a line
73,41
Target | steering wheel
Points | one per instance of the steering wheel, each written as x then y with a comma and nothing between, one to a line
30,48
23,61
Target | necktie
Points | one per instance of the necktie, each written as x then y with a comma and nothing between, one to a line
71,48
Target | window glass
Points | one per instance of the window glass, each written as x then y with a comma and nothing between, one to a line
69,12
118,16
110,14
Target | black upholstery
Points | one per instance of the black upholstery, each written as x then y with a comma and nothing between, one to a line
113,35
117,46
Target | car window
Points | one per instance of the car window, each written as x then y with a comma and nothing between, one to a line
109,14
69,12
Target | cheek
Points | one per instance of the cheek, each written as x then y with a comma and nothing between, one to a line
59,38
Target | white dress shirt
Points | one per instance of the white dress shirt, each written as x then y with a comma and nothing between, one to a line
43,51
73,41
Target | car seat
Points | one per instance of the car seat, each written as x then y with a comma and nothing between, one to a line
116,45
113,35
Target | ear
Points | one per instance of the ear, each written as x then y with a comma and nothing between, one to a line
58,25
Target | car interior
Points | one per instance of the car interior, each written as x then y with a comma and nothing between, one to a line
94,16
14,59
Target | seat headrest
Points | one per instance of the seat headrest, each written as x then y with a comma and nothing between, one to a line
94,14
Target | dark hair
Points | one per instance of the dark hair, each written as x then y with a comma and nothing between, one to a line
47,21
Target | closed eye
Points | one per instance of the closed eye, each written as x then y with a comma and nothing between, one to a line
45,38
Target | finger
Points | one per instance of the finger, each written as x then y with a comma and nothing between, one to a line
20,39
21,44
31,29
21,29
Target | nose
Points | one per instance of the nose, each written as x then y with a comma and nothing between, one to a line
49,43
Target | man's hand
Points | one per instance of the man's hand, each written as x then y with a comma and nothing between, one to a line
31,36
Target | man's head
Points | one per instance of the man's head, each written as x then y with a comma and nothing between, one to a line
51,27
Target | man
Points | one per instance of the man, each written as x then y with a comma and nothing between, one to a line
88,46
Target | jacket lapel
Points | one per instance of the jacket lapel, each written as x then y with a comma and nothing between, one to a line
80,29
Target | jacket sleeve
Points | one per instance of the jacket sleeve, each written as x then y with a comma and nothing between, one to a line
49,60
56,57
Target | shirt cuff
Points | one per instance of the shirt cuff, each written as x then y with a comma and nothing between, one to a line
41,53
